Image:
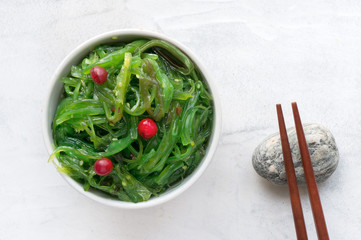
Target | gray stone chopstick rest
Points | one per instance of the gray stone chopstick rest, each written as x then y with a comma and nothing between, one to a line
267,158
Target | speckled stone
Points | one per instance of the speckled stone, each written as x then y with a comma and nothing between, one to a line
268,159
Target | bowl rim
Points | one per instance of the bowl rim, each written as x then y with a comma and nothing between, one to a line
164,197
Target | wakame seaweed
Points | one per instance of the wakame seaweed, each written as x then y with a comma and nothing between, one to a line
146,79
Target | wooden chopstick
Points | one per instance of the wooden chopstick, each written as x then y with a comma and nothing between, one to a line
291,179
317,211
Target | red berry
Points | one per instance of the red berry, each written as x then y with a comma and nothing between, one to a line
147,128
103,166
99,74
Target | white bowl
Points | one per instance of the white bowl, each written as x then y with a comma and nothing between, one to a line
56,87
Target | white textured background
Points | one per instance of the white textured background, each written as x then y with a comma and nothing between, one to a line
260,53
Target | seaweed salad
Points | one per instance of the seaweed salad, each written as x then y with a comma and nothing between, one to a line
134,120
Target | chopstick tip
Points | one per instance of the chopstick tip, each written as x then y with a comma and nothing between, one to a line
294,107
